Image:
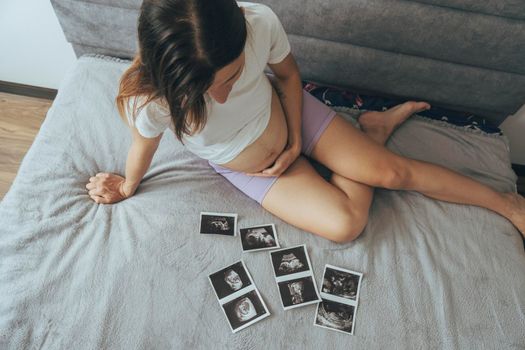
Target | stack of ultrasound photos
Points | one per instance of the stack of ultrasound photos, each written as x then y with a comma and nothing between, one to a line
294,277
340,295
240,300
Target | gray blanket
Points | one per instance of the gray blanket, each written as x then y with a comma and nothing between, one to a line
133,275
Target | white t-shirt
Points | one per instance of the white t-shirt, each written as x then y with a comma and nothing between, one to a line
238,122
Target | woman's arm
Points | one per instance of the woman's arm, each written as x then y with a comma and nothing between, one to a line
139,159
109,188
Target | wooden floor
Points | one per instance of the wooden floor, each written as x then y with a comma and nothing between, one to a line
20,120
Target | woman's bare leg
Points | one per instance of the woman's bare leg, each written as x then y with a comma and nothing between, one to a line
304,199
352,154
341,206
360,194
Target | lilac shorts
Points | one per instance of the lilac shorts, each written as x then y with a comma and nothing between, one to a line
315,119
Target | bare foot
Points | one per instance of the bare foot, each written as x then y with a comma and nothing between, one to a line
517,210
379,125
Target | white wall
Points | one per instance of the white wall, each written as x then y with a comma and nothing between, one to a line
514,128
33,49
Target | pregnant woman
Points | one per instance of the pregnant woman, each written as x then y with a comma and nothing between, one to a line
200,73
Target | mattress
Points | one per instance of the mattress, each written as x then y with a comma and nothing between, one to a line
134,275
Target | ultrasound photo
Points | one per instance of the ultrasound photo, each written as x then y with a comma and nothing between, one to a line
336,316
230,279
341,283
259,238
245,310
298,292
218,223
290,260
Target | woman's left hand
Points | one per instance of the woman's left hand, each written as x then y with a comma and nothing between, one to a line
283,161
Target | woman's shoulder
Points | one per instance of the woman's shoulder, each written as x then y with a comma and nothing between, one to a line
255,7
160,103
257,12
143,106
151,103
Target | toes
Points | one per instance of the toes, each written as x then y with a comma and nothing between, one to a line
419,106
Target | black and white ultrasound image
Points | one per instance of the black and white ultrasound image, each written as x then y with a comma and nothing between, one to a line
244,309
297,291
217,224
230,279
335,315
289,261
254,238
339,283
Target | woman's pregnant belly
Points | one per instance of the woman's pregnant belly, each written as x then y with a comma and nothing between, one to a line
261,153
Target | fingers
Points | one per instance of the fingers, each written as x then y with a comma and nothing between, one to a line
265,173
98,176
96,198
94,192
275,170
257,174
97,193
91,186
99,199
271,172
278,167
261,174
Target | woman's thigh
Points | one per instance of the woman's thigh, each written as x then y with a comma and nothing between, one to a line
349,152
301,197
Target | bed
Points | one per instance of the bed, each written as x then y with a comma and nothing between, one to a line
134,275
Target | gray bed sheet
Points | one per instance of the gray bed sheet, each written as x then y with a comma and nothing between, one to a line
133,275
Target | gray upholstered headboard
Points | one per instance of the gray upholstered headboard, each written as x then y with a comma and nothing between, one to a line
467,55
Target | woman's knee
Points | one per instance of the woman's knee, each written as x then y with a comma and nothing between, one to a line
347,226
397,175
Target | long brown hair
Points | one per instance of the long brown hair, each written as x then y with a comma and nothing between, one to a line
182,44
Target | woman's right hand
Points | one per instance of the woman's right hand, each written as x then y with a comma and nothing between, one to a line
107,188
